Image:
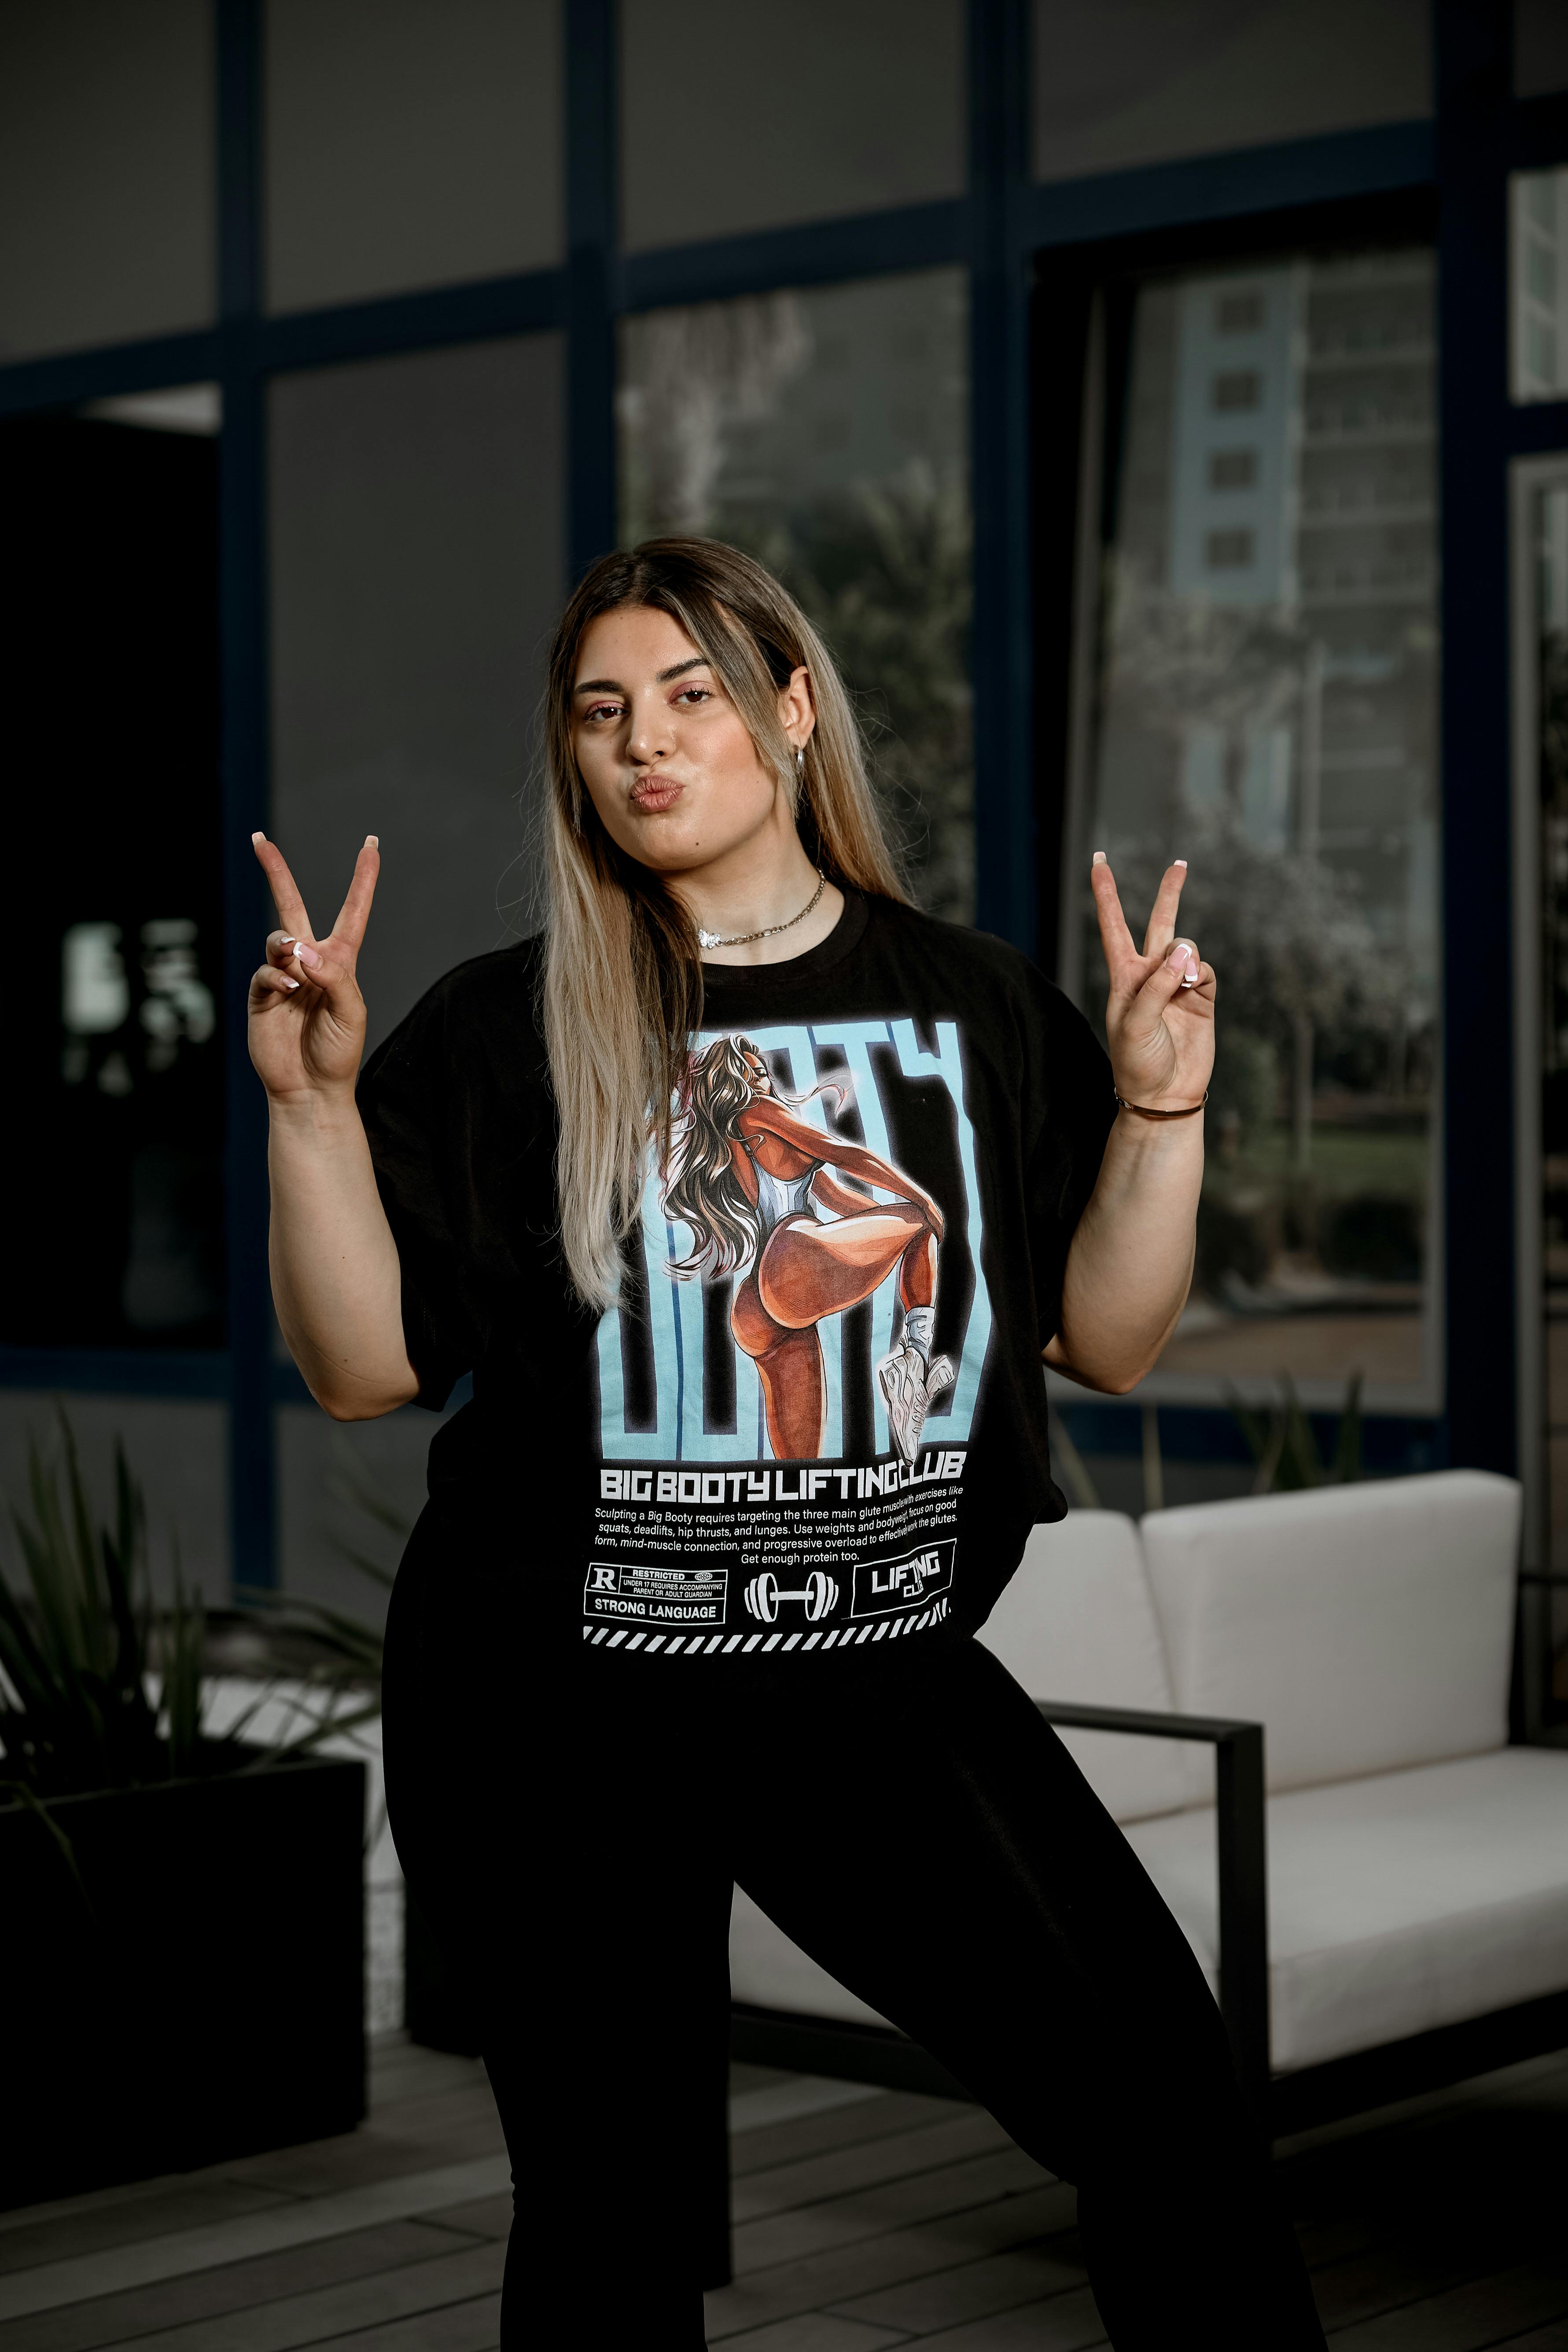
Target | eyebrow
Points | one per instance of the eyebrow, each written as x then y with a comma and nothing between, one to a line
661,678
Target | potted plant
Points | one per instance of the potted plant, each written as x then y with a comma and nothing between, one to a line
345,1655
181,1958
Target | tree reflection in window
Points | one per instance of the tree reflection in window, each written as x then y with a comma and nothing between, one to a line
139,1034
825,433
1264,705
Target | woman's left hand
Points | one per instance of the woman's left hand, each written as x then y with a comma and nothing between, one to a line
1159,1020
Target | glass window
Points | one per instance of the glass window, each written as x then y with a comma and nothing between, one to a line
416,570
112,1215
409,143
1118,82
809,108
826,432
1264,705
1540,47
106,172
1538,211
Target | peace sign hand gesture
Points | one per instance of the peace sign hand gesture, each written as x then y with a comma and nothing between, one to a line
1159,1020
307,1017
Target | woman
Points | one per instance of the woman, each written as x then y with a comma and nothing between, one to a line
750,1175
630,1658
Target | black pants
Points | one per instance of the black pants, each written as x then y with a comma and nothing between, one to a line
570,1831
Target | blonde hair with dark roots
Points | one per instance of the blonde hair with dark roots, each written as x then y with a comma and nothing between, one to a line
623,971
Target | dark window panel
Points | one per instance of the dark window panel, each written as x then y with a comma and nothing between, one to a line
809,108
417,566
106,171
1540,47
1122,82
409,143
113,1215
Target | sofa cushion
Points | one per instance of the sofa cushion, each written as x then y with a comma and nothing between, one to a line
1398,1903
1077,1621
1369,1627
767,1970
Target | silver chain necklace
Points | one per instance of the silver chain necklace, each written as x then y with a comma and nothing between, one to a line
742,938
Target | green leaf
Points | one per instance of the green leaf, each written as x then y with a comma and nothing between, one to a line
24,1796
75,1714
185,1654
1348,1466
1268,1460
1075,1471
1255,1427
1300,1457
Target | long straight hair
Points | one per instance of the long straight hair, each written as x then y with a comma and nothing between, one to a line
622,970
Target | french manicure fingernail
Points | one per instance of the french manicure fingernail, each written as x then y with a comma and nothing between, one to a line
1178,861
373,841
258,836
1180,956
1099,857
307,956
291,983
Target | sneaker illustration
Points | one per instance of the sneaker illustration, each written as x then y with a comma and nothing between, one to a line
909,1388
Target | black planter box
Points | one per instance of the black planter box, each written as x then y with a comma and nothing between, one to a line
210,2003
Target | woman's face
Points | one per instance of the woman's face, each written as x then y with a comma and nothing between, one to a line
665,755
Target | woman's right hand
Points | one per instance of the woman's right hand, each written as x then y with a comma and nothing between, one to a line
307,1017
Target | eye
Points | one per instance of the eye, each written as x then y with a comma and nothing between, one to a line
695,693
598,710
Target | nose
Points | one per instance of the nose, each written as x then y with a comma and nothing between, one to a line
653,730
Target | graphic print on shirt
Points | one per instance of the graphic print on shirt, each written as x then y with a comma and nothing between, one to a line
816,1225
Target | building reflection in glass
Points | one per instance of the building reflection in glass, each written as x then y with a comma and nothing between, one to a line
1264,704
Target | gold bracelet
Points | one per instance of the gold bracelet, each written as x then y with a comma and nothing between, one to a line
1143,1110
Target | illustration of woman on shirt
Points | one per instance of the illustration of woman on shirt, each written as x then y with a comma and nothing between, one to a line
749,1175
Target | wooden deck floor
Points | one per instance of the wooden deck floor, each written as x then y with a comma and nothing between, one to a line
863,2218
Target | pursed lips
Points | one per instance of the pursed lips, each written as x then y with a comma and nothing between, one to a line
656,793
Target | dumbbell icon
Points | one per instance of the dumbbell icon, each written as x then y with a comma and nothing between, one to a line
763,1595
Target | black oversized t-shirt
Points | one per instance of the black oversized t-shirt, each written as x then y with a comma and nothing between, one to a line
643,1470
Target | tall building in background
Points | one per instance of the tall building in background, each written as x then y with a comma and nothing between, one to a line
1235,428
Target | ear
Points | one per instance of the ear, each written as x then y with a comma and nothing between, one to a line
797,710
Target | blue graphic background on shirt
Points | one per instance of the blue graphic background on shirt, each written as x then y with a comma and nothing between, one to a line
676,1308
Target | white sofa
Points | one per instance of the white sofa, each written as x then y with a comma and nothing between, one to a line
1417,1865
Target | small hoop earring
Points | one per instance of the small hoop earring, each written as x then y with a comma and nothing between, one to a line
800,763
